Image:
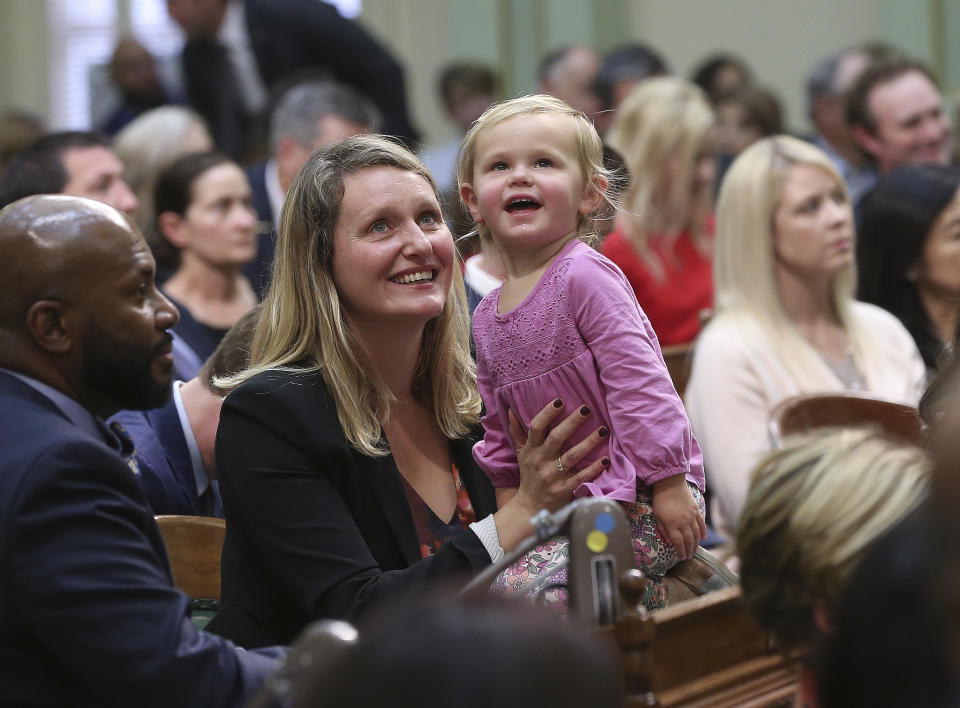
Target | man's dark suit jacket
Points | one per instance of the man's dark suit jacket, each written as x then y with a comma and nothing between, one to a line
164,458
314,528
289,37
258,270
88,614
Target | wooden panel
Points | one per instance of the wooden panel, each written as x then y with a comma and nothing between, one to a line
766,681
702,652
194,544
804,413
678,359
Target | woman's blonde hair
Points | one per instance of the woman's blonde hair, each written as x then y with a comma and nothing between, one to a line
150,143
812,510
303,318
589,148
744,272
660,131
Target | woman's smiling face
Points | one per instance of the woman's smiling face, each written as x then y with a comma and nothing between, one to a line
392,254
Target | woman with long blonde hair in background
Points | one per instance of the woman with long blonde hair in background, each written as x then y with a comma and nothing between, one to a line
786,320
663,237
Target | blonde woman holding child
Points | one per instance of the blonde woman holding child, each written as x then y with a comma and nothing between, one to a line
566,323
345,450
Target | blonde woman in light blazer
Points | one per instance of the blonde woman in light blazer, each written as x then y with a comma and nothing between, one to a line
786,321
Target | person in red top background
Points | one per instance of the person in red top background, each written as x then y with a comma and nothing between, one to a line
663,238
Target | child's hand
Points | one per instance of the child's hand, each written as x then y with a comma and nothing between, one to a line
677,515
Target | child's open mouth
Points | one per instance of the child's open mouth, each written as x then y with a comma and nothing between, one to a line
522,205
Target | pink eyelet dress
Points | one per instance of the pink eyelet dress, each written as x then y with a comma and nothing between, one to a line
581,336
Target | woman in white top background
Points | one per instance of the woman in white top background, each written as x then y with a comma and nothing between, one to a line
786,321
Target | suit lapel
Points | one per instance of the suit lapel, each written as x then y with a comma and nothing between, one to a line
261,42
388,489
166,423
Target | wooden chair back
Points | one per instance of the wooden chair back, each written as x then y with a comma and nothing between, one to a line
801,414
193,546
678,358
701,652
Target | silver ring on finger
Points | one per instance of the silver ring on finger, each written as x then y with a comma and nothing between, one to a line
560,466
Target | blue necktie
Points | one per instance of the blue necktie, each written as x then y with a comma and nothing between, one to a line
126,448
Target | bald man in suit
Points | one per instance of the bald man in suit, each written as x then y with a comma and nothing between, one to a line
88,612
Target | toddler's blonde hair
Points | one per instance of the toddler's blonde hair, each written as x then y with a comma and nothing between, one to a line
589,148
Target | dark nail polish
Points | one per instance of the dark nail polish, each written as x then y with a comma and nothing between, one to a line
605,462
558,403
603,432
584,411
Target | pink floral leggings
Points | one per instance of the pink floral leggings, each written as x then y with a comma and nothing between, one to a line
654,555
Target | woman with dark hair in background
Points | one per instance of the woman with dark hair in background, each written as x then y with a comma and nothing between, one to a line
720,74
908,252
744,116
204,209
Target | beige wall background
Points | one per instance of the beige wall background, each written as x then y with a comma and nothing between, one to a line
23,55
780,39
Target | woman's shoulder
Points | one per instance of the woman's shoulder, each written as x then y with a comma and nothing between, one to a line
870,315
732,339
891,352
196,335
293,402
884,328
733,360
618,248
280,387
615,242
729,330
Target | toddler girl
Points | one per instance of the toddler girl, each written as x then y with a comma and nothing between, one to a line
566,321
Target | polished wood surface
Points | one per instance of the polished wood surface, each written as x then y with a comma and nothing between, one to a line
193,546
804,413
678,359
701,652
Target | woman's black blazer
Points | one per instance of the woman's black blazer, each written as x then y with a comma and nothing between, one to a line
314,528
